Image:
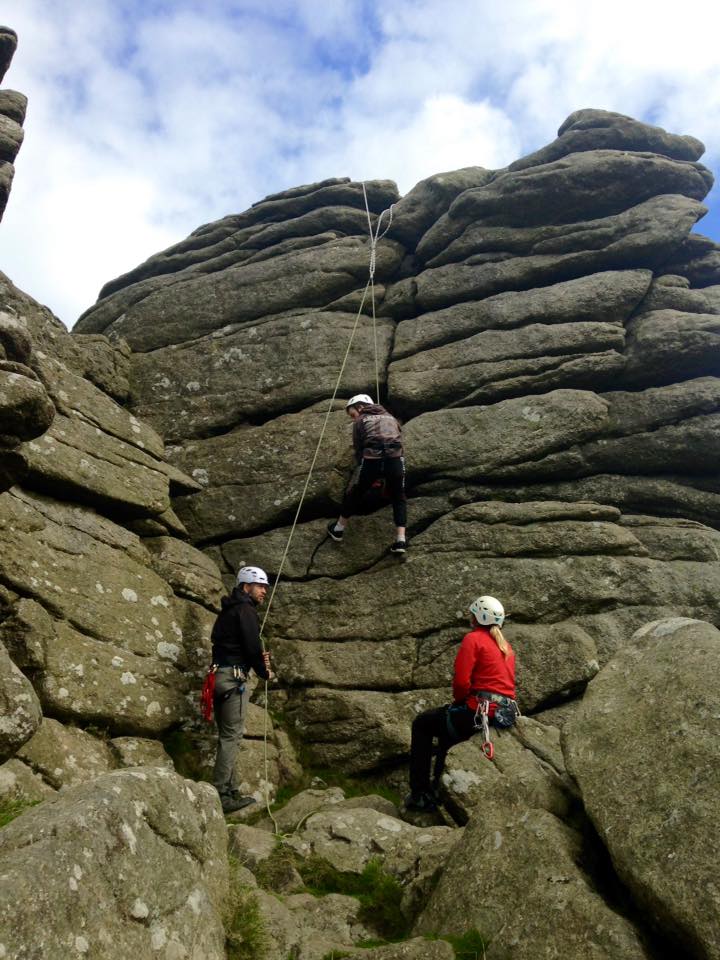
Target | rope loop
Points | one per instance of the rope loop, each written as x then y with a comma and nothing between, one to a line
376,235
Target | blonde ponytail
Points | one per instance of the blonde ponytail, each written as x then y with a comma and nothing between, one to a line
497,635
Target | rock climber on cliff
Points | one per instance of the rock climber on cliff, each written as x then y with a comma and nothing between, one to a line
377,441
483,685
236,649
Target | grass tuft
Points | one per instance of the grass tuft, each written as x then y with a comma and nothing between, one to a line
10,809
470,945
273,873
379,893
245,934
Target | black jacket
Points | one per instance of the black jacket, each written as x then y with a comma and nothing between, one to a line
236,634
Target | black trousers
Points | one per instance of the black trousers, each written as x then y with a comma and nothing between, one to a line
389,469
431,725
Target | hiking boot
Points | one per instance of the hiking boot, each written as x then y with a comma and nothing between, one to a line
231,802
421,803
337,535
400,546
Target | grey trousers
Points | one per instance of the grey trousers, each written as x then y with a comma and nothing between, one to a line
230,719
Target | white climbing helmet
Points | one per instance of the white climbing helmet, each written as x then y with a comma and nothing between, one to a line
252,575
488,612
359,398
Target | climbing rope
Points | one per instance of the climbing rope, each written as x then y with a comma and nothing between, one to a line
374,236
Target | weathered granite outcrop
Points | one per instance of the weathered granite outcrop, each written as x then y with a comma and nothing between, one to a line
131,863
109,625
644,752
12,115
548,331
549,334
536,855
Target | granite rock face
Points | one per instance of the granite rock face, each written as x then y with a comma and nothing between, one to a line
548,332
644,753
131,863
109,625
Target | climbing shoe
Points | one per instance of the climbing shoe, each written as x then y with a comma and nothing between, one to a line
421,803
400,546
337,535
235,801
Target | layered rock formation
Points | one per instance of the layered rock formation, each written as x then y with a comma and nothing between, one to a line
12,115
550,336
549,333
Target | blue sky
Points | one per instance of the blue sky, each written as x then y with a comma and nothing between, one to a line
147,119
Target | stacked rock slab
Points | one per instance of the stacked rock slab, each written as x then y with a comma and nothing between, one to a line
97,609
104,606
549,333
12,115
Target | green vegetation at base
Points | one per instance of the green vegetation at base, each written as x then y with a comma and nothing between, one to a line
470,945
379,893
245,934
357,786
273,872
10,809
185,755
320,778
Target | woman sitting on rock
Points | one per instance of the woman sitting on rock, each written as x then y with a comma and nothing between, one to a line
483,681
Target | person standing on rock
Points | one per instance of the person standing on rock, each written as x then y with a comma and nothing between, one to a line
377,441
483,682
236,649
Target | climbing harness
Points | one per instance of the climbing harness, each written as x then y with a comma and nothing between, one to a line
482,725
505,715
375,236
208,695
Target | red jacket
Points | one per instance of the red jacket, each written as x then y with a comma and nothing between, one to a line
481,665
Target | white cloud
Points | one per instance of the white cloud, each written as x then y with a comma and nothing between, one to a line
150,117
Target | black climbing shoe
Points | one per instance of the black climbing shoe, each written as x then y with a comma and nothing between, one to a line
421,803
337,535
235,801
400,546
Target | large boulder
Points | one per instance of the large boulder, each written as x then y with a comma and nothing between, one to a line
557,911
108,645
132,863
590,129
104,609
65,755
643,748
